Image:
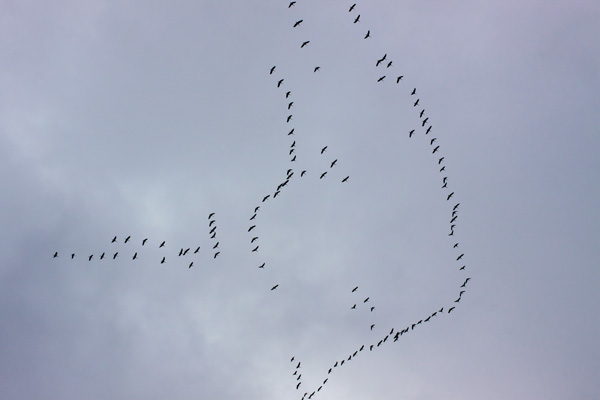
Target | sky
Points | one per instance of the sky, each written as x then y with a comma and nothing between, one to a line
139,119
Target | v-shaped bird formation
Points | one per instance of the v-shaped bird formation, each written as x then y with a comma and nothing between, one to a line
333,174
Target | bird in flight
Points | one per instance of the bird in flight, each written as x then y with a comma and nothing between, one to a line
333,163
381,79
56,254
355,289
372,326
162,244
253,239
425,121
449,310
287,94
414,91
302,173
256,248
114,239
144,241
212,213
280,82
461,256
298,23
399,78
252,227
291,4
316,69
272,69
389,64
357,18
134,256
197,250
368,35
421,114
102,256
304,43
273,288
449,196
435,149
289,118
216,245
115,256
192,263
291,132
428,129
323,149
432,140
323,174
367,299
290,105
352,7
416,102
262,266
212,221
90,257
266,197
216,254
411,133
163,260
345,179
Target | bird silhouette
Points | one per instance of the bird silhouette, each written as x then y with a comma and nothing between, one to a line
449,196
212,213
212,221
357,19
272,69
333,163
298,23
440,160
381,79
372,326
287,94
266,197
389,64
291,4
323,174
181,252
411,133
304,43
197,250
298,385
216,245
192,263
216,254
213,229
134,256
425,121
316,69
256,248
323,149
421,114
55,254
163,260
279,83
428,130
368,35
102,256
354,290
367,299
416,102
262,266
253,239
436,149
353,307
116,254
461,256
450,309
345,179
465,284
90,257
456,206
162,244
114,239
291,132
352,7
252,227
399,78
443,168
414,91
293,159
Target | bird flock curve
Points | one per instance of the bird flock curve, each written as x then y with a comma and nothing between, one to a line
382,74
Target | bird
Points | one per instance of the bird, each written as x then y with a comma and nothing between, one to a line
55,254
254,216
102,256
316,69
212,213
436,149
456,206
452,220
216,245
425,121
304,43
461,256
399,78
114,239
290,104
361,348
181,252
371,348
432,140
289,118
90,257
411,133
298,23
287,94
381,79
192,263
163,260
451,308
293,159
323,174
291,132
256,248
389,64
345,179
372,308
414,91
352,7
329,370
293,144
372,326
253,239
212,221
302,173
272,69
162,244
444,180
134,256
353,307
323,149
263,266
216,254
428,129
367,299
368,35
465,284
421,114
449,196
291,151
462,268
266,197
416,102
252,227
197,250
291,4
354,290
279,83
357,18
115,256
443,168
298,385
457,300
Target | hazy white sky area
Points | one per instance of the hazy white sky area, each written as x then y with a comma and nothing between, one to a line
141,118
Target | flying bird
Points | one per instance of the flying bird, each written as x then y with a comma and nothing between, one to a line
279,83
443,168
290,105
253,239
114,239
192,263
163,260
304,43
436,149
380,79
272,69
345,179
411,133
287,94
323,174
212,221
323,149
367,299
389,64
216,245
212,213
254,216
216,254
302,173
298,23
461,256
357,18
252,227
293,159
266,197
180,252
425,121
197,250
90,257
456,206
291,132
416,102
428,129
262,266
291,4
414,91
115,256
134,256
352,7
353,307
399,78
256,248
465,284
273,288
354,290
213,229
421,114
372,326
102,256
432,140
451,308
316,69
449,196
368,35
55,254
333,163
289,118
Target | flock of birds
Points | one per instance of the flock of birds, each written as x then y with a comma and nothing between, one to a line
377,342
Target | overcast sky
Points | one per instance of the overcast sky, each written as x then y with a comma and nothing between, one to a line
141,118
